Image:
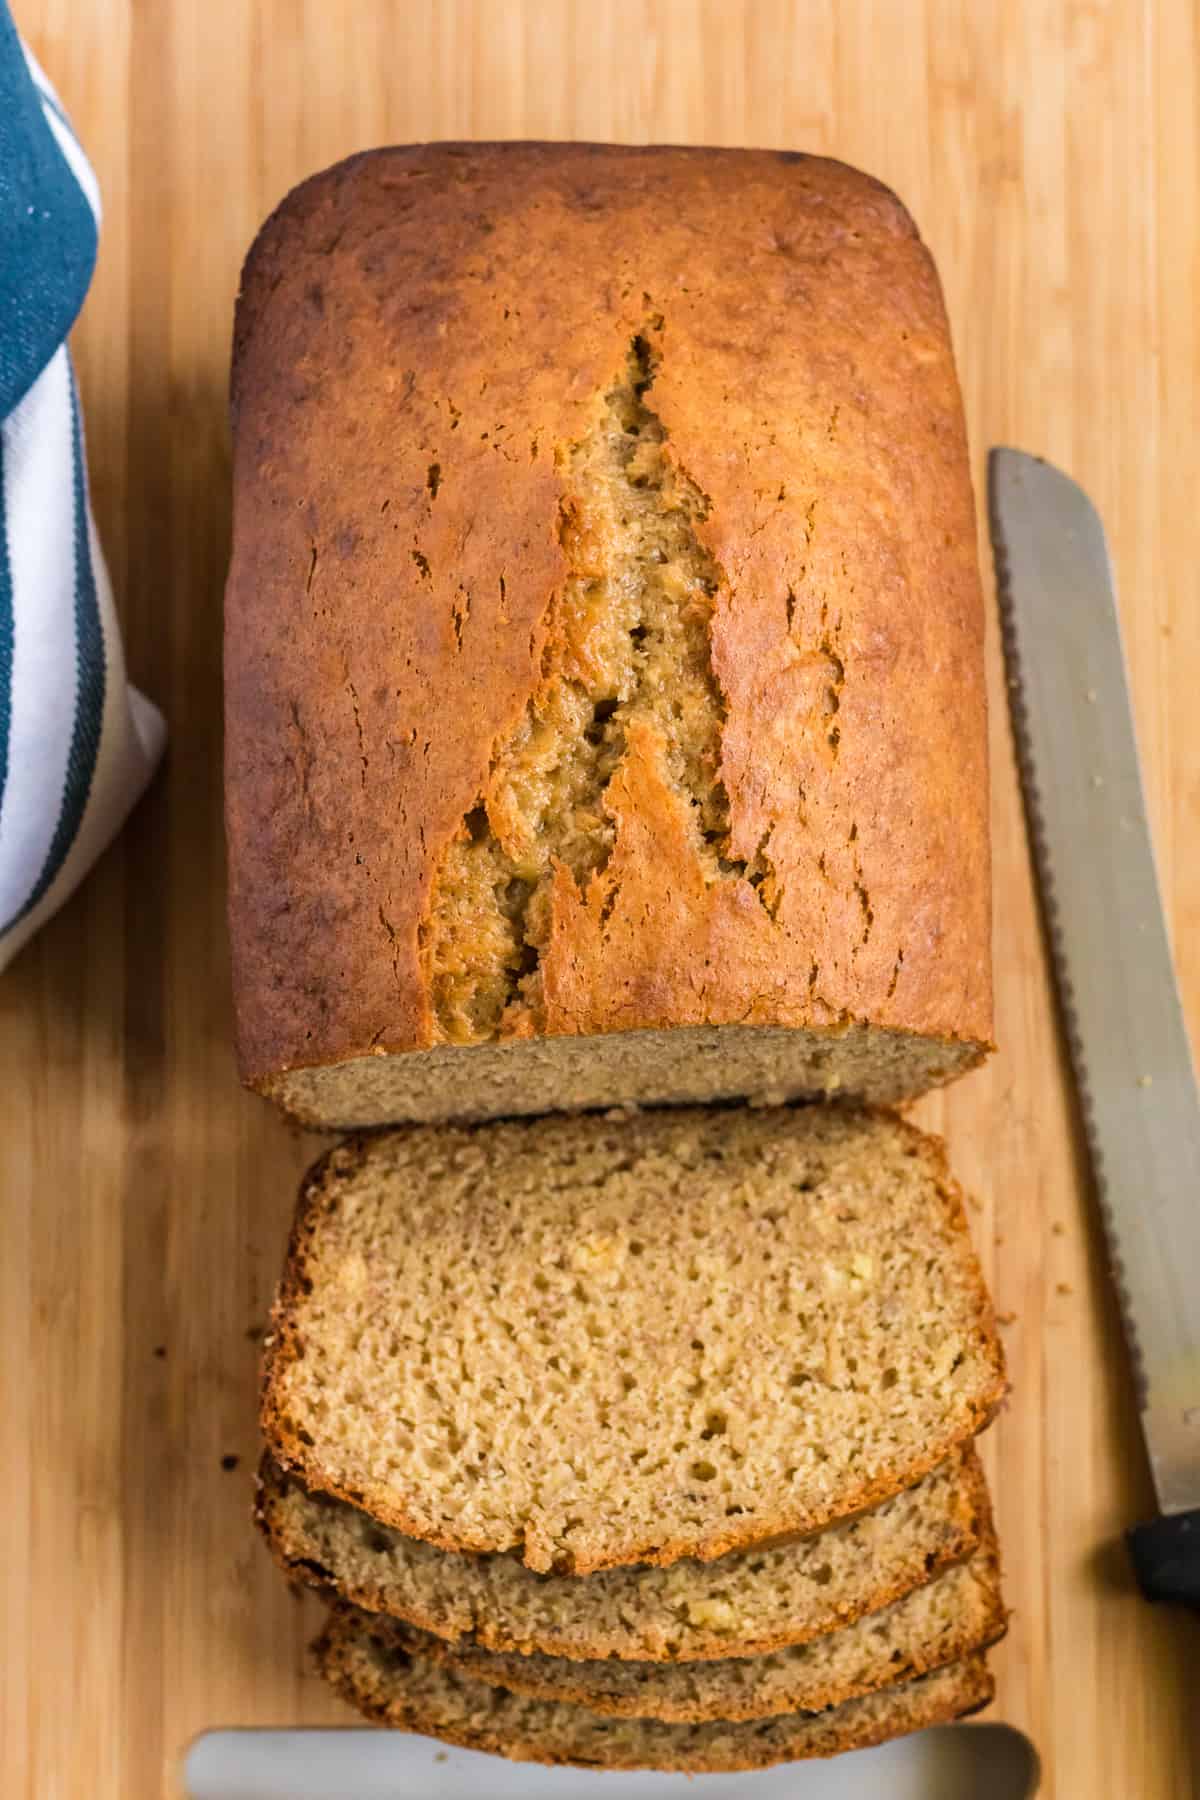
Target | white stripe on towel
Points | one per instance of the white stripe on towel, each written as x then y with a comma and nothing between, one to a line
39,514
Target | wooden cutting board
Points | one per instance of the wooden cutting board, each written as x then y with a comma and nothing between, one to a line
1049,153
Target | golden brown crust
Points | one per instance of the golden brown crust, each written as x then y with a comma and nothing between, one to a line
284,1345
497,1635
406,312
353,1653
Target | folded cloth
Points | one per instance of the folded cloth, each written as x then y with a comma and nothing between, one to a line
77,743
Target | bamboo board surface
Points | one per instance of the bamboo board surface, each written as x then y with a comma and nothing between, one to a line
1050,154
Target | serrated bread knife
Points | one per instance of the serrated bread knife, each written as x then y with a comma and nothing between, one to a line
1112,961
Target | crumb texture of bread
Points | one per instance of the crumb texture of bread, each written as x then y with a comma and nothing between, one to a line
369,1662
604,655
611,1340
958,1613
743,1604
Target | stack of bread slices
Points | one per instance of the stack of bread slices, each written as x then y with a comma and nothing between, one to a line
607,810
640,1440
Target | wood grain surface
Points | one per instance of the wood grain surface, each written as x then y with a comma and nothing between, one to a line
1050,154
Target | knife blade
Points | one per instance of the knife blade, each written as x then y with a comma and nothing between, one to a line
1119,1000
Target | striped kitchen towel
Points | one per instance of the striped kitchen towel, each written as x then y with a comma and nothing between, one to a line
77,743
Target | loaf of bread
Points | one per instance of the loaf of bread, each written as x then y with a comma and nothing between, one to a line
743,1604
371,1662
610,1339
956,1614
605,712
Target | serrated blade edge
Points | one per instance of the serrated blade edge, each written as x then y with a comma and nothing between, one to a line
1077,754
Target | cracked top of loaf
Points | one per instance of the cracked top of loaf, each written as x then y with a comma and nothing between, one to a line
603,630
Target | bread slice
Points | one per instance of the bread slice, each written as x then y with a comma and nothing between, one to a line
743,1604
959,1612
608,1340
370,1663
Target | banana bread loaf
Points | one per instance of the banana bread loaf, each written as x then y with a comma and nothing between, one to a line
605,713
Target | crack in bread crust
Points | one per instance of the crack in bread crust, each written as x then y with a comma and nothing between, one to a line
627,649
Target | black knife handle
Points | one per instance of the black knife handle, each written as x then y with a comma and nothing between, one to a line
1166,1557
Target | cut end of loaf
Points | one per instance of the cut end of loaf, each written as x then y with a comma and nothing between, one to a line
681,1065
